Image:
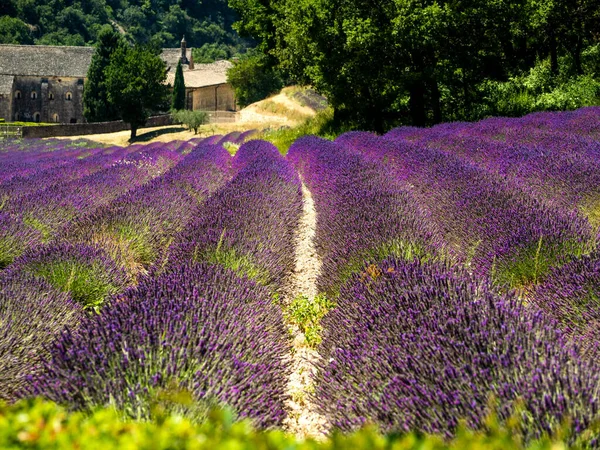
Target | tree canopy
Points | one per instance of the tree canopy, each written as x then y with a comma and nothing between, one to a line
417,61
178,94
207,25
96,107
135,84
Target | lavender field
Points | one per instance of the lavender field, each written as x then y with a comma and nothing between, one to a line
459,264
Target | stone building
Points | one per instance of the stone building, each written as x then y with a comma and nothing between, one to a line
41,83
206,87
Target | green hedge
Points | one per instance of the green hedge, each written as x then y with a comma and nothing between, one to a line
38,424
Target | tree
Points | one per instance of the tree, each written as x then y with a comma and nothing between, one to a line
135,82
191,119
386,62
14,31
178,98
253,78
96,107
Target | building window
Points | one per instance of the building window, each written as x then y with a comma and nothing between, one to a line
73,120
55,118
34,95
17,117
50,96
36,117
17,94
68,96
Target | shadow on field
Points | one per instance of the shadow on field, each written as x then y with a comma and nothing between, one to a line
144,137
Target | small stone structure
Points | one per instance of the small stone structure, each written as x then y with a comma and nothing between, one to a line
42,83
206,87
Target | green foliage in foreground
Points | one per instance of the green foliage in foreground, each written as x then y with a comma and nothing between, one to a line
38,424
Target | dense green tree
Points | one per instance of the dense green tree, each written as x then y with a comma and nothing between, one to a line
135,84
14,31
386,62
178,95
96,107
78,22
253,78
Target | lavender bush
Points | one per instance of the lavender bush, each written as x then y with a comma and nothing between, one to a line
501,232
416,346
32,315
137,228
86,272
50,210
571,294
180,331
363,214
248,225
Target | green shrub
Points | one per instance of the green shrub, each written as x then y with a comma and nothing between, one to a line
307,315
191,119
253,78
38,424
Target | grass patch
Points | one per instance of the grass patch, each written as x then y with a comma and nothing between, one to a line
529,265
10,248
395,248
319,125
85,282
231,147
231,259
307,314
591,210
40,226
279,109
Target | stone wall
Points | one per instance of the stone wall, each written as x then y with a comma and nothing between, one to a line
52,99
214,98
76,129
5,107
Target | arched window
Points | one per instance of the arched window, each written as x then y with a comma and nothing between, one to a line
17,117
17,94
68,96
50,96
34,95
55,118
36,117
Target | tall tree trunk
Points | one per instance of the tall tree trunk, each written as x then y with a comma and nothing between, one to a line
417,102
133,132
435,100
553,53
577,56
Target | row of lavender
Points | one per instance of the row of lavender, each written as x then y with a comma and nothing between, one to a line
553,158
416,340
186,239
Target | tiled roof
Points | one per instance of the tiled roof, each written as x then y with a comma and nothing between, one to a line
203,75
59,61
45,60
171,57
6,84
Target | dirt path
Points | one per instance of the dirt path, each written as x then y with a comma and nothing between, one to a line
302,418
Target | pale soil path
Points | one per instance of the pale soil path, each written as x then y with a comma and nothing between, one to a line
254,113
249,118
303,420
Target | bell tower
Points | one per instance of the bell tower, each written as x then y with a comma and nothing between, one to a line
183,58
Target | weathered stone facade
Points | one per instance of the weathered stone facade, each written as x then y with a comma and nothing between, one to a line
41,83
207,88
220,97
49,99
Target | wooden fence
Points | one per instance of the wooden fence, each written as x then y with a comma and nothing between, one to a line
10,132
